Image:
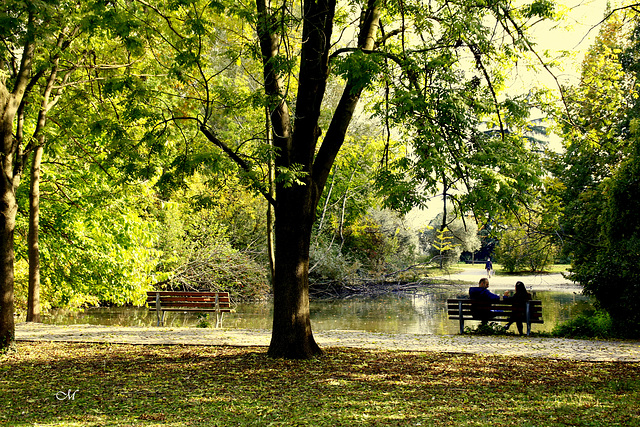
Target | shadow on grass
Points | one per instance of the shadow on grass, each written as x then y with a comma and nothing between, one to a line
126,385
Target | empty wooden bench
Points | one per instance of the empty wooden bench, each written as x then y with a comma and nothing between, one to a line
494,311
215,302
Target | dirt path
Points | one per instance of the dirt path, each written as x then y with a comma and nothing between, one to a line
552,348
537,282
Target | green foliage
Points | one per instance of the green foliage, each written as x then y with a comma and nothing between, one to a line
539,8
600,180
590,324
211,246
380,242
329,264
352,238
351,184
100,251
462,138
526,247
360,68
96,237
289,177
446,245
188,65
491,328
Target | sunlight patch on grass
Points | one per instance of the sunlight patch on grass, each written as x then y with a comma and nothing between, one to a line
122,385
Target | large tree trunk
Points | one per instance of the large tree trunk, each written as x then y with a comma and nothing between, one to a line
295,147
296,152
296,202
8,210
33,298
291,336
10,171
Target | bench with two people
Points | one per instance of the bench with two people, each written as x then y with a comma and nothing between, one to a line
485,306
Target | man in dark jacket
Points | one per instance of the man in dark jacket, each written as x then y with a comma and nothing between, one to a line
482,293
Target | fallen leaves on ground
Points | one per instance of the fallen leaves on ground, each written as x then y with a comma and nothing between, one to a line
70,384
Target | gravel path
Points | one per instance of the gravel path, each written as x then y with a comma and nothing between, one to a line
538,282
553,348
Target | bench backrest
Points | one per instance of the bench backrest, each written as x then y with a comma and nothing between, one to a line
193,300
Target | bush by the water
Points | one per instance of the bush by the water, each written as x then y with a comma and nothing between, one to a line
590,324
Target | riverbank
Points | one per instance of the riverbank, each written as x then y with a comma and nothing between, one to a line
539,347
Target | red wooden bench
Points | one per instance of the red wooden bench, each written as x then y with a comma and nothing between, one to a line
215,302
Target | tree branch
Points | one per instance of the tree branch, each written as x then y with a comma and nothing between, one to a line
239,161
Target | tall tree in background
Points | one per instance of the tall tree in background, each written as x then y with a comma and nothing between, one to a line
43,43
418,50
598,176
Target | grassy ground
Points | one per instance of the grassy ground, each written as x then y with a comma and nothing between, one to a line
498,270
554,268
49,384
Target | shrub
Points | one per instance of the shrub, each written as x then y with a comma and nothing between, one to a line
590,324
222,268
491,328
329,264
522,250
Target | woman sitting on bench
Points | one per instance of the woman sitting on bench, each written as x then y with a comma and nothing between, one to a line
519,303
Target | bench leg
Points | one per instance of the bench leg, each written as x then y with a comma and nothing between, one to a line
219,316
528,320
461,318
158,309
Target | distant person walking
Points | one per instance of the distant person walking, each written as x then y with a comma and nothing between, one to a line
489,267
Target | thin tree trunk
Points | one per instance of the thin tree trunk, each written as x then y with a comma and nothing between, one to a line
326,202
33,298
344,208
271,216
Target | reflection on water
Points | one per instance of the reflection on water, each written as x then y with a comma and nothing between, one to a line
421,312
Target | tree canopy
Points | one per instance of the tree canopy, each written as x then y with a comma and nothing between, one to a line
597,176
159,94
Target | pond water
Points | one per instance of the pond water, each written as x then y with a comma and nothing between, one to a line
420,312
